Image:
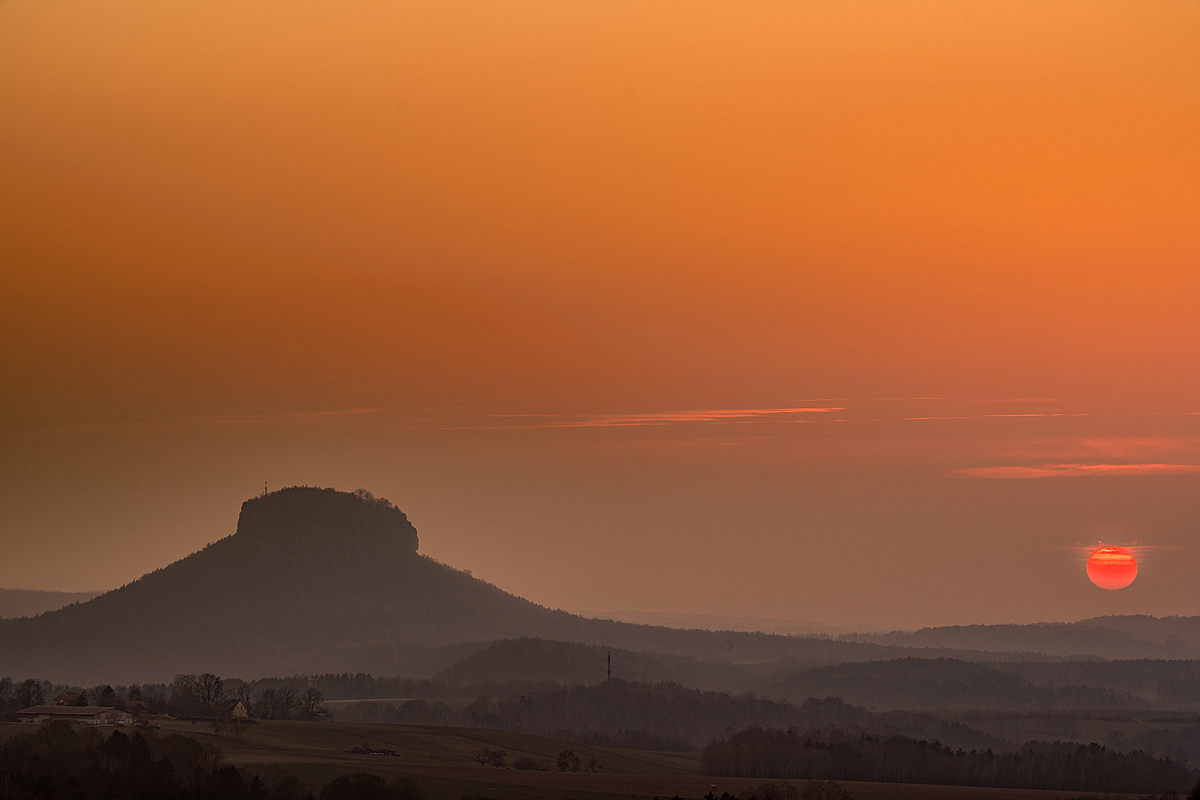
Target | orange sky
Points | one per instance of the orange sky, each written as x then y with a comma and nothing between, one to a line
545,274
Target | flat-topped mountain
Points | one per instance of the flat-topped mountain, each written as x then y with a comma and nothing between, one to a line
316,580
313,579
326,521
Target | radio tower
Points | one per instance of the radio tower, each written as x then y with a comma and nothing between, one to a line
610,667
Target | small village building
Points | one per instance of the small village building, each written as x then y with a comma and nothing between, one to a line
79,715
236,709
67,698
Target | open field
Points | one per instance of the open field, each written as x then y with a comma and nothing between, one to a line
439,759
455,703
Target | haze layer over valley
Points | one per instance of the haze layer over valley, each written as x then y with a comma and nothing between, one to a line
325,593
321,581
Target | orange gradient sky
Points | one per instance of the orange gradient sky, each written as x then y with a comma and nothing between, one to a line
731,308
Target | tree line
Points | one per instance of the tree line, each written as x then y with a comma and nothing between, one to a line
655,716
206,696
199,695
58,761
15,696
829,754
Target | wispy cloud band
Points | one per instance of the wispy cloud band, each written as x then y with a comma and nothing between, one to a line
664,418
1076,470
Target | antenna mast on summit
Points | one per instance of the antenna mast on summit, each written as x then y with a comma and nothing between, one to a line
610,667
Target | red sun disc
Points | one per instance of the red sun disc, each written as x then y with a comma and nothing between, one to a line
1112,567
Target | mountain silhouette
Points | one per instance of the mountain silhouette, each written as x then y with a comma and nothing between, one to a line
317,580
1100,637
313,580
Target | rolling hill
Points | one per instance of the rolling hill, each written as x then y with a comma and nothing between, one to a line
27,603
910,683
1177,634
1101,637
546,661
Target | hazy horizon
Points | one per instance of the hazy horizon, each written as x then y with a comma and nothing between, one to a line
796,312
679,617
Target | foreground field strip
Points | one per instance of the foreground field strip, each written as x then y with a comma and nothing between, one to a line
443,753
315,753
695,786
298,742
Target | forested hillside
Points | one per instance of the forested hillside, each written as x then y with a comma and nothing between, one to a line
1102,637
943,683
666,716
1172,631
772,753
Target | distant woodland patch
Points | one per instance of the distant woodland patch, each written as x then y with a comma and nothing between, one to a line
58,761
759,752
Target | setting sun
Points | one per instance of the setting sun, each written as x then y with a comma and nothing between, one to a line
1112,567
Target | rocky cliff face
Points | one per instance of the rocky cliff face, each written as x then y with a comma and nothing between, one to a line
310,518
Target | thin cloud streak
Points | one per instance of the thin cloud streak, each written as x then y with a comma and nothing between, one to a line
667,418
468,419
491,421
1138,549
1076,470
994,416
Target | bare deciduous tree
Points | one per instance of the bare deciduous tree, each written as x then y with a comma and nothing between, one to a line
286,699
497,758
568,761
30,693
183,694
265,706
210,690
310,705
